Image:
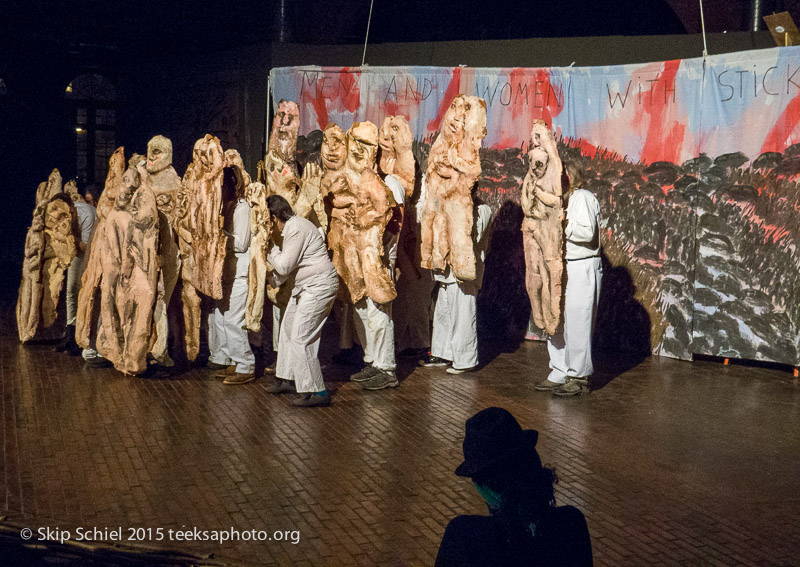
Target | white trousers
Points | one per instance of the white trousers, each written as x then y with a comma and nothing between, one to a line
570,348
301,329
375,330
227,335
74,274
455,326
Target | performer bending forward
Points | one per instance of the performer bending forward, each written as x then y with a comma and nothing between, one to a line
304,255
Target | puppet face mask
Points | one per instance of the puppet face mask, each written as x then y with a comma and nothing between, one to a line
362,145
453,123
334,147
199,152
474,117
395,136
285,128
537,164
159,154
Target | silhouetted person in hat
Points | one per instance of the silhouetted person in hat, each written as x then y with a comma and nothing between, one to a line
525,526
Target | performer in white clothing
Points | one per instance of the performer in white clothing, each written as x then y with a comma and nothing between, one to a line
455,330
373,321
87,218
227,334
570,348
304,255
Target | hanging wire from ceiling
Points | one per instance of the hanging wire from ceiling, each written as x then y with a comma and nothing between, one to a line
366,37
703,28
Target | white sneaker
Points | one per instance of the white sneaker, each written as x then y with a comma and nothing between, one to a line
454,370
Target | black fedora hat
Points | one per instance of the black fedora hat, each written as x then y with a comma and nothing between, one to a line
492,436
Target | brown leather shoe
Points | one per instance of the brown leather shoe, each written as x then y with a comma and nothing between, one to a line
239,378
226,372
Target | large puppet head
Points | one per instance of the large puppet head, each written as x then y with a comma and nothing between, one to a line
71,189
362,146
234,161
48,190
453,123
159,154
537,162
283,137
395,138
474,117
540,134
199,151
334,147
207,154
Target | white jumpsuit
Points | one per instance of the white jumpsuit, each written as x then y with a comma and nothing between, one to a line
570,348
315,283
227,335
455,317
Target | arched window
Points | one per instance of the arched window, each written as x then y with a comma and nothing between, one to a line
94,100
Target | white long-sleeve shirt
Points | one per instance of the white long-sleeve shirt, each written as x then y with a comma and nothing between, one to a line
304,253
583,225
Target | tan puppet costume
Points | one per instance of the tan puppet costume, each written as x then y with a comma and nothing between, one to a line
50,246
372,211
340,201
453,168
368,217
123,263
204,179
200,239
542,230
87,315
260,231
159,175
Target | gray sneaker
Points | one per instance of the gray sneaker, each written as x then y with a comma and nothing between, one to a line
573,387
547,386
365,374
383,379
